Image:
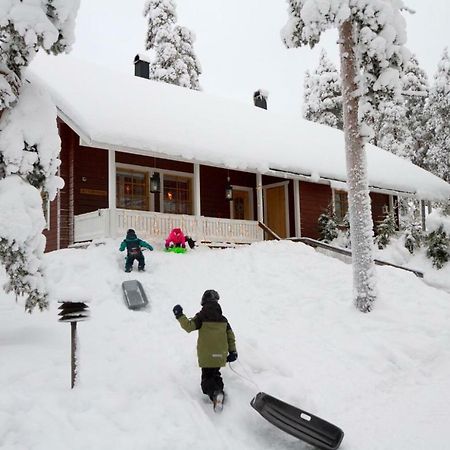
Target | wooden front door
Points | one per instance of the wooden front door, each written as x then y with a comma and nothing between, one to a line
275,203
241,208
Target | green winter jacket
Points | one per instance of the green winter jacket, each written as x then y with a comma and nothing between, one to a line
215,336
126,242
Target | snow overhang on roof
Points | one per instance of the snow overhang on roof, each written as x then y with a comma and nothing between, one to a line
128,113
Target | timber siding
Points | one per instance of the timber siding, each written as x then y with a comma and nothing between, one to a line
61,209
213,181
314,200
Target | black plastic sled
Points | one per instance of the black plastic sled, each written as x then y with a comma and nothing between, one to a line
298,423
134,294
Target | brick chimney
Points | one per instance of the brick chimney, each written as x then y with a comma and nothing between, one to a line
260,98
141,66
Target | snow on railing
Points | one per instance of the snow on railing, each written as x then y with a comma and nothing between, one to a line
115,223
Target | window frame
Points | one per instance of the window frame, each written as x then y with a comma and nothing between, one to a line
149,170
120,170
338,194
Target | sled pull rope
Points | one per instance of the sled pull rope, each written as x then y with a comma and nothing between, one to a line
242,376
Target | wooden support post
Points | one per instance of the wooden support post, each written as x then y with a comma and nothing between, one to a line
259,198
297,216
197,197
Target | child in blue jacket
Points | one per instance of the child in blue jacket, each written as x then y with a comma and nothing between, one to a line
133,245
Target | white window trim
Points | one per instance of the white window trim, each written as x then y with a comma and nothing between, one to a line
250,192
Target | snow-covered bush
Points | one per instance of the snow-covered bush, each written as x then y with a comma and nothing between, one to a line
328,228
438,247
438,239
21,241
385,230
413,236
343,238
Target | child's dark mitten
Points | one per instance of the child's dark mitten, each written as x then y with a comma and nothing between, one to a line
178,311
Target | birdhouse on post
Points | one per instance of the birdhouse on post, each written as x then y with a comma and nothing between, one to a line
73,312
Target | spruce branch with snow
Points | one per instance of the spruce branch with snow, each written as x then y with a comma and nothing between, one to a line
371,38
391,128
29,141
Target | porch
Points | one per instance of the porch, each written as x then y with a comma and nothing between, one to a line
156,226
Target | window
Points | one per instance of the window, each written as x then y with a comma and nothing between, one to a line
177,194
340,205
132,190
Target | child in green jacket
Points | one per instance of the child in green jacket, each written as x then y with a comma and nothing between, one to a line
133,245
216,343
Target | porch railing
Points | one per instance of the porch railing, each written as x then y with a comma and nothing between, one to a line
148,225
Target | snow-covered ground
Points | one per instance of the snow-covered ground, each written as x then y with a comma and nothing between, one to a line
383,377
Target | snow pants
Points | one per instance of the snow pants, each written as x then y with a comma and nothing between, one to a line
130,260
211,381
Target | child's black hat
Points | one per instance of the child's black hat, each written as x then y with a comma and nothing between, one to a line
210,296
131,233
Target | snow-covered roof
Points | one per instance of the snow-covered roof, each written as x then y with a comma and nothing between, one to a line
124,112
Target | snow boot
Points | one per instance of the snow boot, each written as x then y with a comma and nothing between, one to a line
218,399
141,269
128,270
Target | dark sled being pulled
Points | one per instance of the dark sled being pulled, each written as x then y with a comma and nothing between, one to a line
134,294
298,423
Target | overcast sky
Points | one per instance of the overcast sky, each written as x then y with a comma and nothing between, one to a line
238,43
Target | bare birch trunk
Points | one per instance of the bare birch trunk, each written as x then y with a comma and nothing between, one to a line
361,224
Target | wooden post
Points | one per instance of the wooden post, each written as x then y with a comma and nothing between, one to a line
197,197
259,198
297,215
112,193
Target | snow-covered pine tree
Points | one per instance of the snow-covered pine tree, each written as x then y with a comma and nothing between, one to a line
415,94
185,45
28,154
385,230
437,158
161,15
392,130
438,247
174,59
328,228
371,38
322,95
413,236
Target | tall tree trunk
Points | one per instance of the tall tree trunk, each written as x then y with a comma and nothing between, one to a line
361,224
